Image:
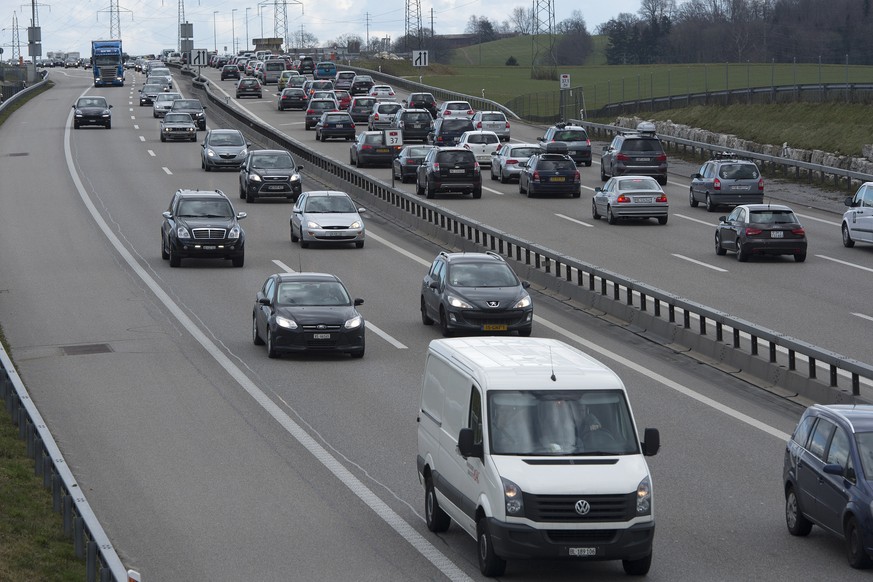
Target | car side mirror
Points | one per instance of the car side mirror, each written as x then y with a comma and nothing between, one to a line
74,106
434,284
248,144
541,138
696,176
847,201
652,442
833,469
167,214
598,189
722,218
264,301
110,107
241,215
605,149
525,284
358,301
466,445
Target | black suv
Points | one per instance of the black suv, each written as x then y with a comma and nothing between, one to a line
202,224
637,153
551,172
194,108
361,85
269,173
416,124
576,138
306,66
447,132
726,180
449,170
475,292
422,101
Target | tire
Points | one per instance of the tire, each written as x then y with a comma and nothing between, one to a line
797,524
271,349
425,318
800,257
503,178
742,255
359,244
603,176
490,564
477,192
662,220
163,139
577,194
710,207
493,177
242,192
239,261
250,196
109,125
75,125
436,519
352,160
418,189
444,324
294,237
175,259
206,167
719,250
858,558
357,355
610,217
525,332
256,339
430,192
691,200
594,214
663,182
520,187
637,567
164,254
847,237
303,243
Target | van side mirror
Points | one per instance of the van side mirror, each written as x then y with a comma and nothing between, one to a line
466,445
652,442
847,201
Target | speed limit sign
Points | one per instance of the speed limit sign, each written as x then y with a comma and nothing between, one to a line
393,137
565,81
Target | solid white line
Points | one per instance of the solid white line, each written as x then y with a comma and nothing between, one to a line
808,217
565,217
370,325
703,222
861,315
151,153
355,485
701,263
167,170
845,263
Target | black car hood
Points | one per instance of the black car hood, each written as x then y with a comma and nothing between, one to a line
92,110
480,296
226,223
273,172
315,314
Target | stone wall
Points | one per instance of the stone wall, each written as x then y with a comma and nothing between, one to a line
835,160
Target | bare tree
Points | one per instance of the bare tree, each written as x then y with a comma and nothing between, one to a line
521,20
654,10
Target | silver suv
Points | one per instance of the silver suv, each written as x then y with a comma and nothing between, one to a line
726,180
637,153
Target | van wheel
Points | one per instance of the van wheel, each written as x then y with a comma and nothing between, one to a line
437,520
847,237
425,318
858,558
637,567
490,564
797,524
710,207
691,200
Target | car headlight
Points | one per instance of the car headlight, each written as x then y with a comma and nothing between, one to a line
513,498
312,224
355,224
354,322
285,322
459,303
182,232
254,178
106,113
523,302
644,497
78,113
234,232
210,153
295,177
243,153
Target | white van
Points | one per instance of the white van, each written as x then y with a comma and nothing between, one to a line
530,446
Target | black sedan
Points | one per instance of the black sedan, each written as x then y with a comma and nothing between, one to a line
370,149
249,87
761,229
92,111
292,98
405,165
335,124
298,312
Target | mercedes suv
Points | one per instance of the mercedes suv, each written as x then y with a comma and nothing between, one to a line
202,224
638,153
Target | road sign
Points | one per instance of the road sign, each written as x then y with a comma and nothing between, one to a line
393,137
565,81
199,58
419,58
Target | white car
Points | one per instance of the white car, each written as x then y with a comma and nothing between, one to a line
482,143
492,121
456,110
383,92
858,219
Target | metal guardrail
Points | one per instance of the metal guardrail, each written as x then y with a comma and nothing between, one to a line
764,353
850,178
89,540
19,94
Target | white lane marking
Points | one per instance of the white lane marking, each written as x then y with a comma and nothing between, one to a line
862,316
330,462
499,193
135,126
151,153
167,170
848,264
131,109
565,217
133,116
808,217
703,222
370,325
142,138
701,263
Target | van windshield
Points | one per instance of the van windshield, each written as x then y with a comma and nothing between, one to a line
560,423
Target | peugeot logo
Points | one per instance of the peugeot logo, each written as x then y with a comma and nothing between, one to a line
493,303
582,507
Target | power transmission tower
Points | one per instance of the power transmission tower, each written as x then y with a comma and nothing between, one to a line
543,62
413,22
280,21
114,18
16,39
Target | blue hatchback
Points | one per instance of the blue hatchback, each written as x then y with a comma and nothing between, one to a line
828,477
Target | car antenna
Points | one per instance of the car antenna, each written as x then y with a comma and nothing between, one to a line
552,364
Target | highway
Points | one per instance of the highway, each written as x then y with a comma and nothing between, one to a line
204,459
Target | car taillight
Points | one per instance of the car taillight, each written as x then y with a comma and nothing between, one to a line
470,112
510,162
476,168
622,157
798,231
479,125
411,161
661,198
375,117
536,175
622,199
761,185
310,112
507,127
753,231
662,158
439,138
577,177
466,146
436,166
716,184
447,112
366,147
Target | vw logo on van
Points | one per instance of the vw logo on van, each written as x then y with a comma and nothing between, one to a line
583,507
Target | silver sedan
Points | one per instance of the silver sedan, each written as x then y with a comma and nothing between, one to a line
636,197
508,160
327,217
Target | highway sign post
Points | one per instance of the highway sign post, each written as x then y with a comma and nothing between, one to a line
419,58
199,59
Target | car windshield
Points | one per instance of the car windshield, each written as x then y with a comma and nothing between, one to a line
456,125
772,217
390,108
271,161
458,106
322,105
226,139
337,119
638,184
418,152
738,172
570,135
482,275
152,88
186,104
417,117
556,165
91,102
177,118
641,145
493,117
167,97
482,138
453,158
205,209
375,138
364,103
311,293
328,204
523,152
553,422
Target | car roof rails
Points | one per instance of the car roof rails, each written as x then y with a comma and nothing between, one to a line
496,256
725,155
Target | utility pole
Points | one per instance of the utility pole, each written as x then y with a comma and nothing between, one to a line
247,27
233,32
214,35
367,14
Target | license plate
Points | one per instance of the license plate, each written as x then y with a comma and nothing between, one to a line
777,234
494,327
643,199
382,150
209,247
644,159
416,126
335,233
454,171
275,187
340,126
321,336
557,179
583,551
739,188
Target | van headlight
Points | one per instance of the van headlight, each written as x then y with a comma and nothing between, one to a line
644,497
513,498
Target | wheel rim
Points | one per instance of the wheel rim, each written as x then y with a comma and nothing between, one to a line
845,234
483,546
254,328
717,243
429,504
791,510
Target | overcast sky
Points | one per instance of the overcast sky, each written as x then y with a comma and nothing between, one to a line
147,26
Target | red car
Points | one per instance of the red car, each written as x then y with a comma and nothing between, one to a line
343,98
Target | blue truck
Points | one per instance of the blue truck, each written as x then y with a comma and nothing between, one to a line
108,63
